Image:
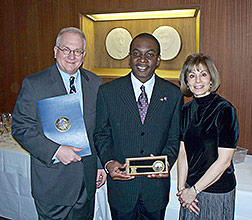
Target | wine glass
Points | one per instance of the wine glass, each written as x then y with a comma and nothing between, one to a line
2,129
6,119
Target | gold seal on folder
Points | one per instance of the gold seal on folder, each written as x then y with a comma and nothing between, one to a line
62,124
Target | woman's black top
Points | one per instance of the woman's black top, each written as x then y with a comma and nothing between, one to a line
208,123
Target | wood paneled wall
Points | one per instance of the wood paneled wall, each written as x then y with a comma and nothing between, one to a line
29,29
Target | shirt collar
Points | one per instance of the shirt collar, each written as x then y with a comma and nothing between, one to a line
136,83
66,76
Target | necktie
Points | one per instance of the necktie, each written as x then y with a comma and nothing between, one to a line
72,86
142,103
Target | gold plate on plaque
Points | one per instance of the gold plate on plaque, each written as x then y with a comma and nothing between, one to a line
142,166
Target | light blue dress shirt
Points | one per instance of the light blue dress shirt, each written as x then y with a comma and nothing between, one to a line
77,82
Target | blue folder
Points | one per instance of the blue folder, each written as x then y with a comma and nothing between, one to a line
63,123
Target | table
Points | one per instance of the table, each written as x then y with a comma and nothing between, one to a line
16,202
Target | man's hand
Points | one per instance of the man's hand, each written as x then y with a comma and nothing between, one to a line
117,172
67,154
158,176
100,178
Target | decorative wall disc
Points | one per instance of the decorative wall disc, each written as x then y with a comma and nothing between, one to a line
118,43
169,40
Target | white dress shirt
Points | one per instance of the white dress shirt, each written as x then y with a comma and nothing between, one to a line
149,85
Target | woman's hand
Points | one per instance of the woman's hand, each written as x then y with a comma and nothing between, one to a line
187,199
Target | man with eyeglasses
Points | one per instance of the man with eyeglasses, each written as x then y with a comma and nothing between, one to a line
63,190
138,116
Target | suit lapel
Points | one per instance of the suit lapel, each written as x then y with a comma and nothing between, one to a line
155,102
85,91
128,97
56,84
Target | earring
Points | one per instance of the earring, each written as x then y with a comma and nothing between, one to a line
211,85
187,86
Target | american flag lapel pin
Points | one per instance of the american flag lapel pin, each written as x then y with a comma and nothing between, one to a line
163,99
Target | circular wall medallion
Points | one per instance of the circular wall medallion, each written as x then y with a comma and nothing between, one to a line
62,124
118,43
169,40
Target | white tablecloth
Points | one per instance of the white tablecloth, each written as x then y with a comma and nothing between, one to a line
16,202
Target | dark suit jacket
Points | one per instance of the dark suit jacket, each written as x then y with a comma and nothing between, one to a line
54,183
120,134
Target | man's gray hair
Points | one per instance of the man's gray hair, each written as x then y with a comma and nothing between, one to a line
71,30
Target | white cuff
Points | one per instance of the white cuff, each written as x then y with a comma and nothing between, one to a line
105,167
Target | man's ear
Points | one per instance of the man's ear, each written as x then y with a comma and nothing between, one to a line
55,51
158,60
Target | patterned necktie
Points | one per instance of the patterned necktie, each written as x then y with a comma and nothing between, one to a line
72,86
142,103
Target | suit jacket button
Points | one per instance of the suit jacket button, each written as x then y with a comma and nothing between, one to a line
141,151
143,133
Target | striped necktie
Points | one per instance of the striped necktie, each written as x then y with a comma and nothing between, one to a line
142,103
72,86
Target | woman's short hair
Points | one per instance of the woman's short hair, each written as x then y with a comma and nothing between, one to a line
71,30
192,61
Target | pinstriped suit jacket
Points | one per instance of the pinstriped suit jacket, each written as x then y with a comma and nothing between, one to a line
120,134
54,183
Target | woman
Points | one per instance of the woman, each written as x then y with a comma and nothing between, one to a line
209,134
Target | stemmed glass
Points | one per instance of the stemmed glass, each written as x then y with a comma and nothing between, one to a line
6,119
2,129
5,126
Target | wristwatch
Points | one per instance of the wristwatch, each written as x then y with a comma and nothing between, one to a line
197,191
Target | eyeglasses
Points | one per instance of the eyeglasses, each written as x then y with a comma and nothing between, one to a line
138,55
67,51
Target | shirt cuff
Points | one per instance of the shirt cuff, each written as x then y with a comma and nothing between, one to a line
56,160
105,167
